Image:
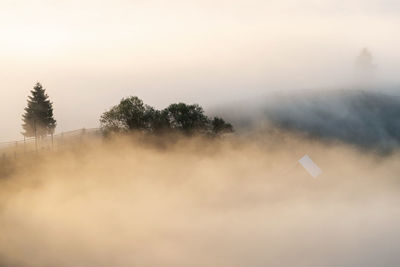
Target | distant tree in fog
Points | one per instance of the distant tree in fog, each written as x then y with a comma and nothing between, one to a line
365,68
364,59
132,115
220,126
38,119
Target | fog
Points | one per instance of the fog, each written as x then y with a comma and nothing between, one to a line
90,54
366,119
232,201
284,73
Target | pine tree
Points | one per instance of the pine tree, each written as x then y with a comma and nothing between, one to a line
38,117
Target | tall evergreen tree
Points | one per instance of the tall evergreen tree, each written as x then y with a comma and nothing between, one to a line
38,120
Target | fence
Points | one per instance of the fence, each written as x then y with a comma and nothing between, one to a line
30,145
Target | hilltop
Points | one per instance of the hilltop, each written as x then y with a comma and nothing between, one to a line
366,119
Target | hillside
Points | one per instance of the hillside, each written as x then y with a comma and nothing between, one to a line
366,119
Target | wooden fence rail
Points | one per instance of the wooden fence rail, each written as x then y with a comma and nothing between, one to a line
28,145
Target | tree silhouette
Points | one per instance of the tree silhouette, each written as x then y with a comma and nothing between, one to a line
38,120
129,114
132,115
219,126
186,118
365,69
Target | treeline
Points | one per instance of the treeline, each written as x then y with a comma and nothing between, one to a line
131,114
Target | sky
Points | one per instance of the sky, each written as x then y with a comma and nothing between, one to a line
90,54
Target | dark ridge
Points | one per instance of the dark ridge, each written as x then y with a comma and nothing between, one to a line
364,118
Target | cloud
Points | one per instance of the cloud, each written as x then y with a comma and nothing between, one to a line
229,202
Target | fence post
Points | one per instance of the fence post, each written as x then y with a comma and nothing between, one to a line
36,144
83,134
15,150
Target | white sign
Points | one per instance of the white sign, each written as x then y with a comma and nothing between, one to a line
310,166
